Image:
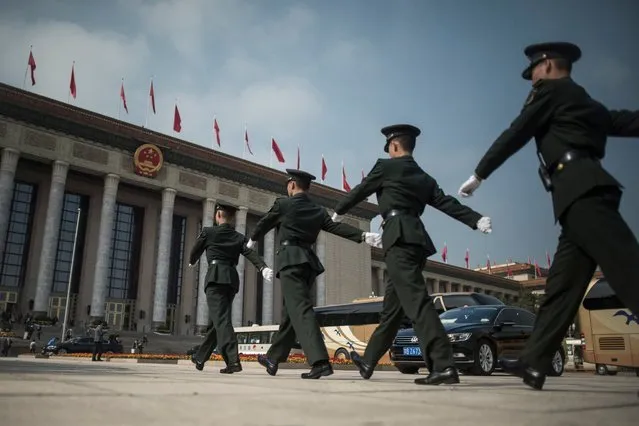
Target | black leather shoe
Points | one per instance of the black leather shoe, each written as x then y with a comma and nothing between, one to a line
513,367
271,367
198,365
318,370
236,367
365,370
447,377
534,378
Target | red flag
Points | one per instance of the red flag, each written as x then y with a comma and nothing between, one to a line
548,260
246,141
467,258
177,121
490,271
363,175
32,65
508,271
277,151
345,186
217,131
72,87
152,96
537,270
445,253
324,169
298,157
123,97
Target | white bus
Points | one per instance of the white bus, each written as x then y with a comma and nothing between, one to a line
256,339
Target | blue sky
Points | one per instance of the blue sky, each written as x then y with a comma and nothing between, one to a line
328,75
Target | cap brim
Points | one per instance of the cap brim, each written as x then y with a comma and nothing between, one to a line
527,73
386,146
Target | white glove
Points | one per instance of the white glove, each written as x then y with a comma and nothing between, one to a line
250,244
337,218
373,239
468,187
267,274
484,225
191,265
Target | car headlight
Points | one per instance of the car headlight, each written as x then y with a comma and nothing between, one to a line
459,337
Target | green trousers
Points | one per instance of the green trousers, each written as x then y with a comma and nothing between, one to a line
220,300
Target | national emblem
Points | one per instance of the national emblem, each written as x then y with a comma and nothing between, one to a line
148,160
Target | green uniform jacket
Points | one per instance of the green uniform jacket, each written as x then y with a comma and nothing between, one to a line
561,116
224,244
299,220
400,184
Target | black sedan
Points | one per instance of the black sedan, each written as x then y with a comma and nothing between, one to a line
479,335
82,345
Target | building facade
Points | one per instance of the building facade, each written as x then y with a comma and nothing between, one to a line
138,200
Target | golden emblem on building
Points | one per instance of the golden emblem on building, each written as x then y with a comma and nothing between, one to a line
148,160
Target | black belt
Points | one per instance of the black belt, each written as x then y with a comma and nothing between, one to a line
222,262
296,243
569,156
395,212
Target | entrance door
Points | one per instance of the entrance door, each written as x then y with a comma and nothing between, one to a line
115,315
171,312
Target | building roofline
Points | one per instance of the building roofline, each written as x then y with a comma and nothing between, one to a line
459,272
54,115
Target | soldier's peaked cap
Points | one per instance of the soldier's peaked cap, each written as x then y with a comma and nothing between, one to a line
399,130
226,207
539,52
300,175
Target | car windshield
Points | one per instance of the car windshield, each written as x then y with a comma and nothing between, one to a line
469,315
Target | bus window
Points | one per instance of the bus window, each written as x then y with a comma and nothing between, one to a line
242,338
601,296
259,338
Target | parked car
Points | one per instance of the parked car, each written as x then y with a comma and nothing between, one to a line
479,335
82,345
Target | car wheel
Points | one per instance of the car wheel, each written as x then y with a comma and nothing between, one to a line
342,354
557,364
485,361
407,369
601,369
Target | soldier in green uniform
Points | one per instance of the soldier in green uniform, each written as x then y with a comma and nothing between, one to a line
223,245
570,129
299,221
403,191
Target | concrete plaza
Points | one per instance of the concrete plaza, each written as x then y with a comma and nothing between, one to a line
62,392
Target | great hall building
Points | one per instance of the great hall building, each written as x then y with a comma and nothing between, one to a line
143,198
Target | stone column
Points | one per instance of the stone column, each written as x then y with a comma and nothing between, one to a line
238,303
202,316
103,257
164,257
436,286
8,166
380,281
320,282
448,287
267,287
50,237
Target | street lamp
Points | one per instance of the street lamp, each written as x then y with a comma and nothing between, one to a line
66,305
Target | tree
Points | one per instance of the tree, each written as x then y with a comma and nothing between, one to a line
528,300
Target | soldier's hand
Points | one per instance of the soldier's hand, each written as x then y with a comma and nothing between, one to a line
468,187
267,274
337,218
250,244
484,225
373,239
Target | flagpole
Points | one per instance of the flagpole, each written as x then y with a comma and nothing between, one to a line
322,169
68,302
299,157
24,82
148,105
120,103
72,75
270,157
342,175
244,141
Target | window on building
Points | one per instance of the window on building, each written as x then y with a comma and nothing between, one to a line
16,247
66,235
125,252
176,263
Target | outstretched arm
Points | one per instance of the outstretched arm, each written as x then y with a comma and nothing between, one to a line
253,256
450,206
268,221
199,247
343,230
624,123
369,185
535,114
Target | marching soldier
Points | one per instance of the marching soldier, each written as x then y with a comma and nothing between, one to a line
299,220
403,191
223,245
570,130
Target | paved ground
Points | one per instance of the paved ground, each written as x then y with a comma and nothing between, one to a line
37,392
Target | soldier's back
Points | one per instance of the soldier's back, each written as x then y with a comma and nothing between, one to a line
301,220
224,243
406,186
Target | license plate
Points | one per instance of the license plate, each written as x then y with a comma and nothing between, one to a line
412,351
